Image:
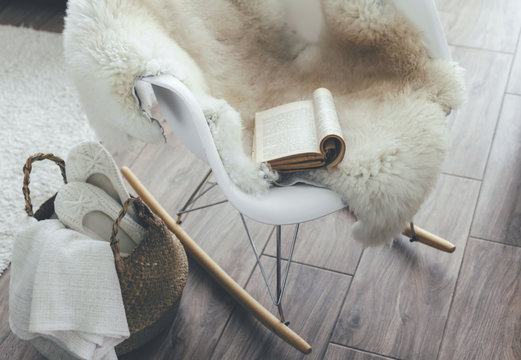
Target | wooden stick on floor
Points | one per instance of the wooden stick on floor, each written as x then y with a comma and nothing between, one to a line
214,270
430,239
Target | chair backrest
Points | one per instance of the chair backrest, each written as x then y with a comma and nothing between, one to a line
424,15
186,119
180,112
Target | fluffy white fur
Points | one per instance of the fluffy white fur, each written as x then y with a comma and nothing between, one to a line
391,97
226,128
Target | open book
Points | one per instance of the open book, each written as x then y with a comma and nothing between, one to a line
299,135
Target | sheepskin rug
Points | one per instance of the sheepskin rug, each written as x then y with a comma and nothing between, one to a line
242,56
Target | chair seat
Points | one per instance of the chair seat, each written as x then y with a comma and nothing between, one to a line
287,205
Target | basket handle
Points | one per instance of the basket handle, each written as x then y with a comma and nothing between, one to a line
114,243
27,178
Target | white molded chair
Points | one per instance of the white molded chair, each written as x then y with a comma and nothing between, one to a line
279,205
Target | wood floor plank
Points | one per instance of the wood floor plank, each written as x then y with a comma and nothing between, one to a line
514,83
46,16
125,155
55,23
399,299
168,171
483,24
39,16
4,4
15,12
400,296
171,172
30,13
11,347
338,352
311,303
202,315
485,319
472,129
498,213
324,242
220,232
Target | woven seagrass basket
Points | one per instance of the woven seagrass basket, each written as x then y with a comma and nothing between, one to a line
152,277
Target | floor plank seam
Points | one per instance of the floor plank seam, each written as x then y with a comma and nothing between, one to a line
481,49
464,252
498,117
342,306
245,285
3,338
267,242
495,130
323,353
516,54
453,296
366,351
461,176
497,242
312,266
137,156
223,330
486,169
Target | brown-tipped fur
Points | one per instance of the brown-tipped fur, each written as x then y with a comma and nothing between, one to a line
392,99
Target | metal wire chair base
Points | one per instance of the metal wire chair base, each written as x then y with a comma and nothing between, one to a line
276,296
199,191
281,282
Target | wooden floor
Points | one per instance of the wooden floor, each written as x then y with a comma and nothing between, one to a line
404,301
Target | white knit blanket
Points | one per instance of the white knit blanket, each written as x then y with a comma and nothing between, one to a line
64,288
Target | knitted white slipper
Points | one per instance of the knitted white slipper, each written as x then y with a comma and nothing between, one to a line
90,162
88,209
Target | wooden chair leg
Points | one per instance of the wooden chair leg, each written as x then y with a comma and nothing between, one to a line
429,239
214,270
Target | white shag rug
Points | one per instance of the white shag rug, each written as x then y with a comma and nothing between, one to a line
39,112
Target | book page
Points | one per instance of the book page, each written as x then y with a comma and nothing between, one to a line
326,115
329,132
285,130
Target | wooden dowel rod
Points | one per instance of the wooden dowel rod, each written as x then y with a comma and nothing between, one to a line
213,269
430,239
